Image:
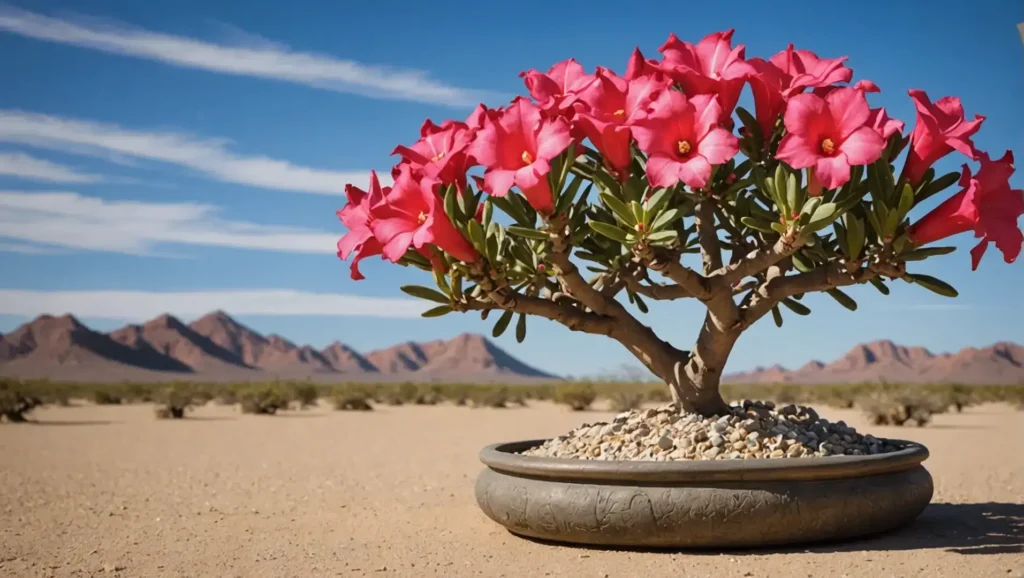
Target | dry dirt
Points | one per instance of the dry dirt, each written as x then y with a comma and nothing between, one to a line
105,491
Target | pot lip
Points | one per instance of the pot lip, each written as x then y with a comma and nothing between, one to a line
504,457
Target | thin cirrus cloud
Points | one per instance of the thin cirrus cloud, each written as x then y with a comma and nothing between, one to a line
27,167
210,157
40,221
262,60
138,306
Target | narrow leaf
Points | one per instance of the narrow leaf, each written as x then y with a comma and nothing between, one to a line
796,306
640,304
450,207
638,212
822,217
521,328
777,316
932,284
437,311
527,233
501,324
880,285
568,195
476,236
757,224
925,252
855,235
663,237
938,185
610,231
619,209
843,299
906,201
664,219
425,293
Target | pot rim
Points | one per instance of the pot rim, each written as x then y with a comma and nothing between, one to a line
504,457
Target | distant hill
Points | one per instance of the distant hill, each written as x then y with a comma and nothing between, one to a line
1000,363
215,347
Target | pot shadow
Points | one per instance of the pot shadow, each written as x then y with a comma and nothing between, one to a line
969,529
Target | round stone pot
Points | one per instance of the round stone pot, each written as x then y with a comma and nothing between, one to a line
701,504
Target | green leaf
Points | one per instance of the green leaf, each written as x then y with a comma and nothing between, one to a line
906,201
493,242
777,316
876,225
938,185
842,237
794,193
761,180
527,233
476,235
843,299
521,328
437,311
467,205
855,235
611,231
658,200
779,183
891,222
450,200
619,209
640,304
822,217
796,306
638,212
442,282
663,237
932,284
801,263
880,285
664,219
512,210
778,228
757,224
501,324
568,195
810,206
925,252
425,293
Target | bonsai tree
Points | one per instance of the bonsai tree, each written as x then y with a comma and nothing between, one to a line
664,189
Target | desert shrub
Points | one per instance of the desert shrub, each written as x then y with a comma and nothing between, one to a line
106,396
304,394
488,396
428,395
517,398
578,397
351,399
16,401
138,393
264,399
173,401
900,409
626,400
226,395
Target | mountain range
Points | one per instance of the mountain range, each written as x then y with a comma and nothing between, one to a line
998,364
215,347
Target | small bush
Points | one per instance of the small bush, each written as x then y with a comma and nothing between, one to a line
658,394
305,395
493,397
578,397
263,399
351,401
626,400
106,396
901,409
175,400
15,401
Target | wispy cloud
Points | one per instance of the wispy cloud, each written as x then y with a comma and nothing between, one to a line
143,305
75,221
28,167
208,156
26,249
262,60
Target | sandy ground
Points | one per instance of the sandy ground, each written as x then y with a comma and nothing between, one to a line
111,491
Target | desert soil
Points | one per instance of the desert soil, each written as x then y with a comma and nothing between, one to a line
105,491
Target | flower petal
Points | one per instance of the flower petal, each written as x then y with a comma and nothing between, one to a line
863,146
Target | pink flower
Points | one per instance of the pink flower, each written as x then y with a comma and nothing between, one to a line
941,127
683,140
787,74
710,67
639,66
440,153
516,148
553,91
829,135
355,215
605,109
411,214
986,204
881,123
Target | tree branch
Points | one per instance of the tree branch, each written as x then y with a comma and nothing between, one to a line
759,259
504,297
655,291
710,248
668,265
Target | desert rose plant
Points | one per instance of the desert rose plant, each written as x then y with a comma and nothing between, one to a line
648,179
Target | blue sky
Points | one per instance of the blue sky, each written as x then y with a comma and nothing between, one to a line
201,148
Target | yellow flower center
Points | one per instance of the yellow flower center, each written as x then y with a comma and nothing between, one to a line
619,113
683,146
438,156
527,158
827,146
421,218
